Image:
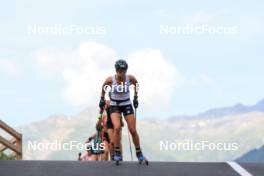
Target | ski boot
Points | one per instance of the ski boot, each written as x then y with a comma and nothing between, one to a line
142,159
117,158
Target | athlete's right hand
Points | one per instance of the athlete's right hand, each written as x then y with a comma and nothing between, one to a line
102,103
135,102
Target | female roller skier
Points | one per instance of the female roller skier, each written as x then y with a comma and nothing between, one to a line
120,103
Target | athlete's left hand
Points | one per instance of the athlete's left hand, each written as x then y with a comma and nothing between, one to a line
135,102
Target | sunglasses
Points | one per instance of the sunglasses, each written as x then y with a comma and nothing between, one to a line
121,71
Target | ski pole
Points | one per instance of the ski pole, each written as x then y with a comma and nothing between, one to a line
136,114
129,140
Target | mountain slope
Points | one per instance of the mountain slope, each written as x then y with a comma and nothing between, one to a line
225,111
255,155
236,109
245,129
161,140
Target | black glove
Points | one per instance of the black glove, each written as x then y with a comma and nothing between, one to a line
102,103
135,102
89,139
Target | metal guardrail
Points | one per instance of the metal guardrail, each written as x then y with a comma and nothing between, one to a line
15,144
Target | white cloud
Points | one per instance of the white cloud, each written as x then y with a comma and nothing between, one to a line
157,78
9,67
84,71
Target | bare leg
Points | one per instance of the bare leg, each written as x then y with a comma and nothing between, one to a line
111,137
120,143
104,156
115,117
111,144
84,156
131,123
94,158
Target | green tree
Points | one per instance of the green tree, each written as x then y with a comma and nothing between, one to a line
4,156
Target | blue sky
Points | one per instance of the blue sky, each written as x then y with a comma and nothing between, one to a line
219,70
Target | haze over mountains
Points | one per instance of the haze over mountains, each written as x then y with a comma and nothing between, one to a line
236,109
238,124
254,155
224,111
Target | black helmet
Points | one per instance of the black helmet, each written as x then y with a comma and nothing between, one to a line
121,65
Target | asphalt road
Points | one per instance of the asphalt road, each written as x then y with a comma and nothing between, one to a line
82,168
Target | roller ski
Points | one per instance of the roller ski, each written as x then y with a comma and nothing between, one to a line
142,159
117,158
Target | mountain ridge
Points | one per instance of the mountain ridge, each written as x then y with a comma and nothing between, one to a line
254,155
245,129
238,108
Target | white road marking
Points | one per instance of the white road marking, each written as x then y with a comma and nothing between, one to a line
239,169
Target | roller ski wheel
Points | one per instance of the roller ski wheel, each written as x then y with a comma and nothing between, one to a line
117,159
117,163
143,160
